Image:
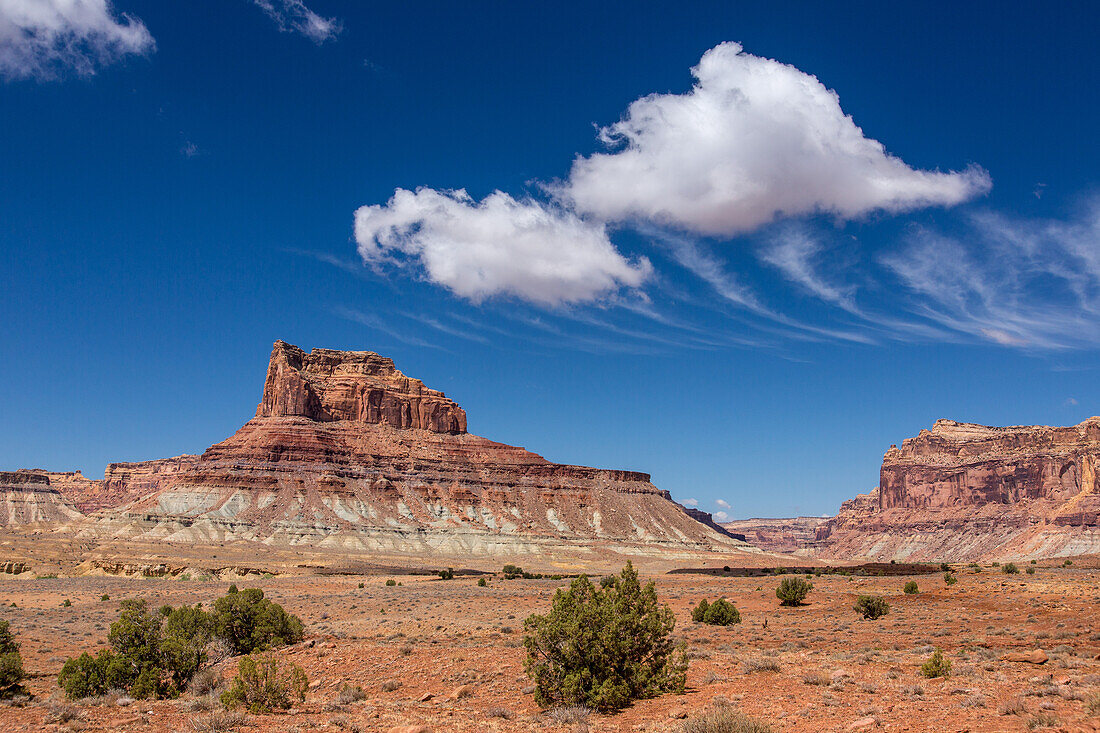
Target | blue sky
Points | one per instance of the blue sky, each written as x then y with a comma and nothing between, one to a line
742,249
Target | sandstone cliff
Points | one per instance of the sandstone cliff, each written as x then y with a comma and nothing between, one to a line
27,498
790,535
346,452
962,491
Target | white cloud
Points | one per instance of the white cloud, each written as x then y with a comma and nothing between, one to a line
723,503
293,16
498,246
753,141
41,39
691,502
1011,281
721,517
794,252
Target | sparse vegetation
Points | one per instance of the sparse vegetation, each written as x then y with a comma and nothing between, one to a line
481,582
872,607
390,583
719,613
156,654
349,694
264,684
11,664
447,574
949,578
1010,569
604,647
1042,720
219,721
1031,571
249,622
937,665
793,591
725,719
911,588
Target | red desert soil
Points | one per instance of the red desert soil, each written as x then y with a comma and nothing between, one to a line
819,667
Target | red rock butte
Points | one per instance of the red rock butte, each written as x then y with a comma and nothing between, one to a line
347,454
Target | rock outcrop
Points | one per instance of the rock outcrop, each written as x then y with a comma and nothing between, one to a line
355,386
962,491
348,453
27,498
790,535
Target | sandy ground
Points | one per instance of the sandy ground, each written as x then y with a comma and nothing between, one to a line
819,667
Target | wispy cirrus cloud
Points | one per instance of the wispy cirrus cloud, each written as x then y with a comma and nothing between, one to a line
1031,283
47,39
292,16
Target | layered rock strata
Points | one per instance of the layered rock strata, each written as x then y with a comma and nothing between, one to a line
27,498
789,535
347,452
962,491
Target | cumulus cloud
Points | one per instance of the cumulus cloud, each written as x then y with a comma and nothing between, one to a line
721,517
723,503
496,246
1010,281
292,16
42,39
753,141
691,502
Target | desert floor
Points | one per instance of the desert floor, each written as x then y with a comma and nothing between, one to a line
816,667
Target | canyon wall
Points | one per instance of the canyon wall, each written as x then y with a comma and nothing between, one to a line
962,491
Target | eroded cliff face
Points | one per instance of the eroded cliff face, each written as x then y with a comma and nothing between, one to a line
347,452
27,498
962,491
358,386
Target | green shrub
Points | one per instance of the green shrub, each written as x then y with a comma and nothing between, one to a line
872,607
792,591
950,578
447,574
104,597
364,585
722,613
390,582
11,664
1067,563
1010,569
700,612
155,654
911,588
481,582
1031,571
936,666
603,648
1034,561
512,571
87,676
249,622
264,684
